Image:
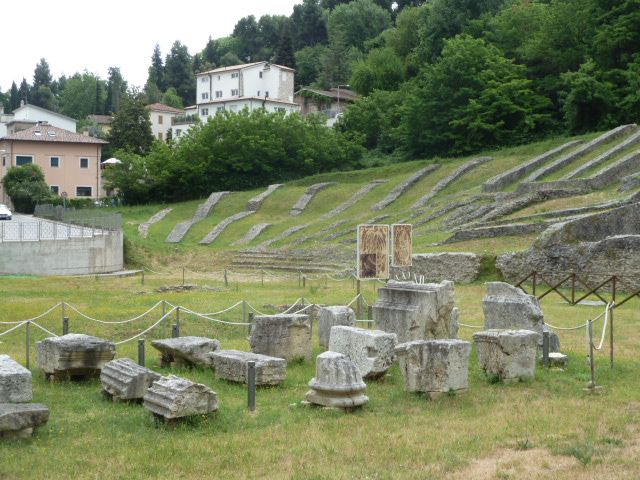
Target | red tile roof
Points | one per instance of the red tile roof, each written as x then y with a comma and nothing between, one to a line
49,133
161,107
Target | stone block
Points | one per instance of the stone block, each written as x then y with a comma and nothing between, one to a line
330,317
233,365
124,379
173,398
416,311
372,351
285,336
558,360
337,383
554,340
15,381
508,307
186,351
509,355
73,355
18,420
434,366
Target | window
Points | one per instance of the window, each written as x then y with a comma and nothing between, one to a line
205,95
258,93
83,191
54,162
219,94
204,112
204,79
220,109
281,109
266,94
23,159
55,189
218,77
260,76
160,119
235,75
235,92
159,135
4,161
178,132
84,163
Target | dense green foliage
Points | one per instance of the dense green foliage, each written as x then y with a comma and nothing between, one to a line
131,127
26,187
233,152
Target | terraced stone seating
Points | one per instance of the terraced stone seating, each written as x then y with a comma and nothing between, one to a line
181,229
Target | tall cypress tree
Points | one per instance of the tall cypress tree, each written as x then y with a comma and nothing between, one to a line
14,97
23,92
157,69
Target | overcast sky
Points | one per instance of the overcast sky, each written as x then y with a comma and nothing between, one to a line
78,35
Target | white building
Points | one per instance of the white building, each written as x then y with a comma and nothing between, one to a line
27,116
252,85
162,116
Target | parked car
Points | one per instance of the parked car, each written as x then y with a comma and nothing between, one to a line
5,213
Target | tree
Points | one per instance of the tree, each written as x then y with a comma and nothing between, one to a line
229,59
152,93
382,70
210,54
308,25
179,73
116,89
14,97
131,126
284,53
356,22
81,95
26,187
336,62
308,64
156,70
23,91
272,28
618,34
41,94
247,32
172,98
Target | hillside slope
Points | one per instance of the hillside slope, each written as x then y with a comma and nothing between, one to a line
464,204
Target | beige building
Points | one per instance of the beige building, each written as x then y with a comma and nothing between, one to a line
70,161
161,119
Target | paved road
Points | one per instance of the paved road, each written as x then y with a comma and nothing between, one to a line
30,229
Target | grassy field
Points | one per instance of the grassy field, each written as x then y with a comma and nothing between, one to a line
547,428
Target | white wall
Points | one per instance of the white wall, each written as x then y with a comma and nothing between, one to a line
157,127
34,114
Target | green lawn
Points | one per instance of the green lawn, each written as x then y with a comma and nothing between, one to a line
397,435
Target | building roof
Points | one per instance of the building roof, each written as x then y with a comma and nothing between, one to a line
49,133
161,107
243,66
29,105
235,99
345,94
101,119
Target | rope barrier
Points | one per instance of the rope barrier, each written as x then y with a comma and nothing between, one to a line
34,318
118,322
480,327
225,310
201,315
44,329
148,329
604,326
13,328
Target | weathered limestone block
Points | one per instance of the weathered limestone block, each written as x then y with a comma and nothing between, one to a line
73,355
559,360
173,397
372,351
509,355
233,365
508,307
330,317
337,383
435,267
124,379
285,336
15,381
434,366
186,351
554,340
17,420
417,311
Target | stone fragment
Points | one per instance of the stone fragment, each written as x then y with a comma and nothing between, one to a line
173,397
15,381
124,379
434,366
559,360
416,311
285,336
508,307
372,351
337,383
330,317
17,420
233,365
509,355
186,351
73,355
554,340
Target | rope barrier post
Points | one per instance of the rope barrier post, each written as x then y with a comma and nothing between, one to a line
141,359
183,276
250,322
545,349
244,311
27,343
65,325
262,277
304,282
299,278
64,309
175,330
592,364
251,384
613,299
142,278
226,281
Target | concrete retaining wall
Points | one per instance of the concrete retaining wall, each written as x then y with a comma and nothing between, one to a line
75,256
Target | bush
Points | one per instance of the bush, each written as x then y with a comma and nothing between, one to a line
26,187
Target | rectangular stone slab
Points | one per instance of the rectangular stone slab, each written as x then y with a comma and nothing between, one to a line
190,350
74,354
285,336
15,381
124,379
173,397
16,417
507,354
232,365
372,351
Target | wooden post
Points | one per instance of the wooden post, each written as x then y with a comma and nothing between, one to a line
141,356
262,277
65,325
226,281
304,282
251,384
28,344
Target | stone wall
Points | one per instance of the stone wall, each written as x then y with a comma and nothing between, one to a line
435,267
